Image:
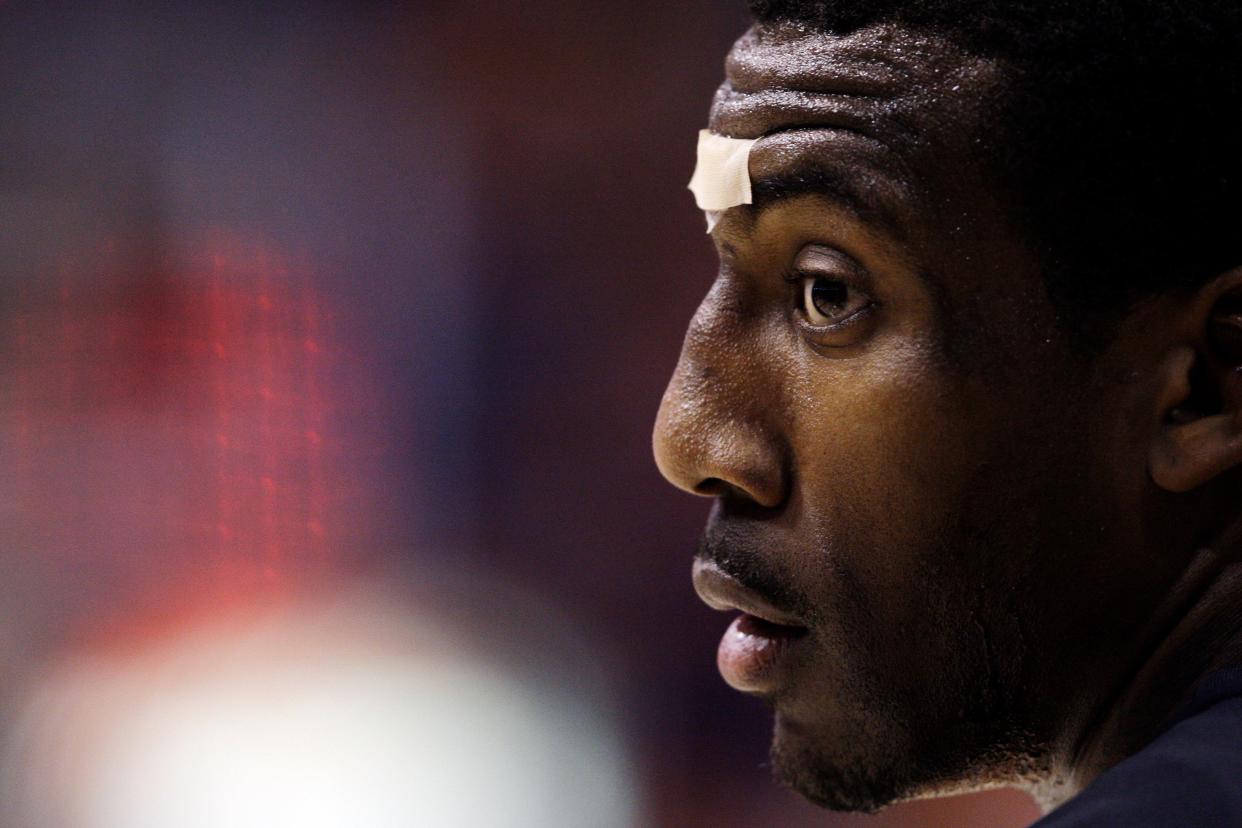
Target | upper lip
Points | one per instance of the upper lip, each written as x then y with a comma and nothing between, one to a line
721,591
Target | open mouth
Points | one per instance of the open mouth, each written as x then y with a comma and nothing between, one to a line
752,625
757,643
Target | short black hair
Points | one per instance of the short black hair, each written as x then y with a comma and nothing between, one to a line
1120,142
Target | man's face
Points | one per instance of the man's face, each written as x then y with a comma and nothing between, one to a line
904,450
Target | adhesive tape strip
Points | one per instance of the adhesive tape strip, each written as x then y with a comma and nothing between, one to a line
722,175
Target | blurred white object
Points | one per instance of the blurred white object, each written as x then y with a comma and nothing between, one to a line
352,713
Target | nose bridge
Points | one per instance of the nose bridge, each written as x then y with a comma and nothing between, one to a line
718,426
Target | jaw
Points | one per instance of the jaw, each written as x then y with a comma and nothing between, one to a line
824,772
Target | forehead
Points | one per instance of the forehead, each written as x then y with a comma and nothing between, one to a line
894,115
888,119
895,84
900,111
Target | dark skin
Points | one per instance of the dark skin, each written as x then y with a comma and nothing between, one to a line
1012,558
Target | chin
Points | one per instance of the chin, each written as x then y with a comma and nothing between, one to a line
817,767
868,765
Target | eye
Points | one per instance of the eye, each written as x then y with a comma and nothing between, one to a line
828,302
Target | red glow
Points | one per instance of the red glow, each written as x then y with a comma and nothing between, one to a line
169,420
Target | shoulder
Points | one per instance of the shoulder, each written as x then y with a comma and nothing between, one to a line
1190,775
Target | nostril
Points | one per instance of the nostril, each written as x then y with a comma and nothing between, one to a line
713,487
731,492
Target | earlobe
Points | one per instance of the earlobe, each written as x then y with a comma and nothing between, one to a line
1200,433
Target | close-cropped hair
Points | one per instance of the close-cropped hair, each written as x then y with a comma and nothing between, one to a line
1117,142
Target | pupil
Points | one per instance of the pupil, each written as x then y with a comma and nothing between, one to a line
828,296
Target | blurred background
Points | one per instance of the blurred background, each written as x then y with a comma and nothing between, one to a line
331,338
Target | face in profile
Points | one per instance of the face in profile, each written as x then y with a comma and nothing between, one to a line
925,495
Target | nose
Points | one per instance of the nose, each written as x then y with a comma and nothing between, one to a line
716,433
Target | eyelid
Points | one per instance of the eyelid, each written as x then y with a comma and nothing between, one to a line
818,257
853,279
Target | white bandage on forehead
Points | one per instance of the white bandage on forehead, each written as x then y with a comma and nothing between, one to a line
722,175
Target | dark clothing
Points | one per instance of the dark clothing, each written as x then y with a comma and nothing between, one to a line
1190,775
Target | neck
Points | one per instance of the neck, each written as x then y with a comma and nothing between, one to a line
1194,632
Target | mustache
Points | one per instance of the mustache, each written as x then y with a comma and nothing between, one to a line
740,559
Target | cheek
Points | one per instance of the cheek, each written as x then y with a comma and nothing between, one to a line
887,475
881,461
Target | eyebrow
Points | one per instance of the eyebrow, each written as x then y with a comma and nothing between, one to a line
833,183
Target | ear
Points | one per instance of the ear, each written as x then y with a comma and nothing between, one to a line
1201,391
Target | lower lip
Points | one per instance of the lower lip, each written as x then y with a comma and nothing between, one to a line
752,651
